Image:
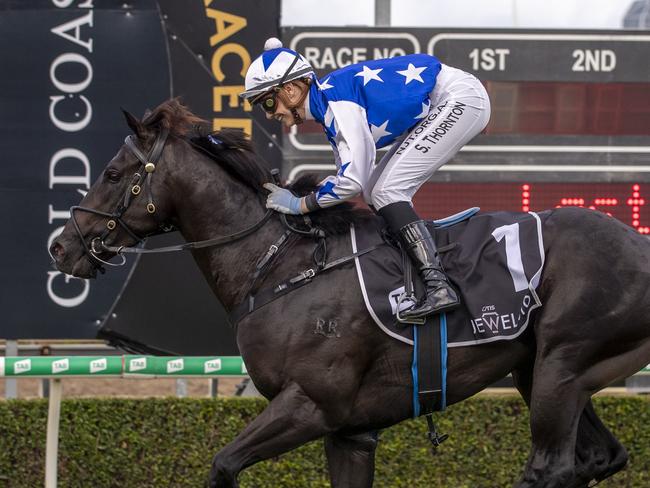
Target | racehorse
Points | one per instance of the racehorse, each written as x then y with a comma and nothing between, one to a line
591,330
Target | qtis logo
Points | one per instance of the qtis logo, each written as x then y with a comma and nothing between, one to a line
393,298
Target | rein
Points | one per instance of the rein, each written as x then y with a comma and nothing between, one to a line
215,241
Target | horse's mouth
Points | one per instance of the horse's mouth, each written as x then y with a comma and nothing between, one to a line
81,268
76,261
84,268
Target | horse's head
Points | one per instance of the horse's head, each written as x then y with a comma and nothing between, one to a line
130,200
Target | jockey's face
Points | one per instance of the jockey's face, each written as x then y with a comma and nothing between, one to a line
291,93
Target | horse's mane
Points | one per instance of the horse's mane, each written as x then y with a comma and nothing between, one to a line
234,152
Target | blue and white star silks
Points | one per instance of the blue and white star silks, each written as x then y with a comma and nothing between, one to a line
379,131
426,106
369,74
412,73
324,85
328,189
364,107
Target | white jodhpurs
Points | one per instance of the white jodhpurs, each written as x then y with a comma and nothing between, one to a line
459,110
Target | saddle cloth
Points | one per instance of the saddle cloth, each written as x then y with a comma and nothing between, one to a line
495,260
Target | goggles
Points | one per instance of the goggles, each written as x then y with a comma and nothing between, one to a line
268,103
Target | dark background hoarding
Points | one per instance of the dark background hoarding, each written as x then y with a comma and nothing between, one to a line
67,68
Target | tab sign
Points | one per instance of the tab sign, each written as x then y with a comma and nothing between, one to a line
212,366
175,366
137,364
60,366
98,365
22,366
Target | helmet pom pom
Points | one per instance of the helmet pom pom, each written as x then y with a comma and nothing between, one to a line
272,43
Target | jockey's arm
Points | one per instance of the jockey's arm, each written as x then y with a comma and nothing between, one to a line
354,152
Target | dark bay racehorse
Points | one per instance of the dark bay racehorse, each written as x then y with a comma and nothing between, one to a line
592,329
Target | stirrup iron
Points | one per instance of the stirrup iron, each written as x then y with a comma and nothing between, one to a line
413,299
433,435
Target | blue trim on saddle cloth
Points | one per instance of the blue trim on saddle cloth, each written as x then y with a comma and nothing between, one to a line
443,366
454,219
414,372
443,360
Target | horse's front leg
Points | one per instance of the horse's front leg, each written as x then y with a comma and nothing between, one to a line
290,420
351,459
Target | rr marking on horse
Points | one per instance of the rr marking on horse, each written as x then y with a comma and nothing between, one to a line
331,331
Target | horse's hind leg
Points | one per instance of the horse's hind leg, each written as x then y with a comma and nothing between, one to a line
599,455
556,404
351,459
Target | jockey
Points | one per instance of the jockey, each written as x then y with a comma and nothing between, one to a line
425,109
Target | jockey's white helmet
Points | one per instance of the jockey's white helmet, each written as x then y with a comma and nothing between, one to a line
274,67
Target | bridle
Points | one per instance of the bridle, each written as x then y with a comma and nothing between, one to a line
140,181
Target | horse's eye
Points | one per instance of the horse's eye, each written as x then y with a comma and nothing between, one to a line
112,175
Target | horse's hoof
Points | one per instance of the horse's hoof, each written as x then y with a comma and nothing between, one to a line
220,477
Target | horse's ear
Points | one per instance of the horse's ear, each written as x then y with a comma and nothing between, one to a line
135,125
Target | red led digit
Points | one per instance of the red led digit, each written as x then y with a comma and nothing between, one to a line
636,202
571,202
526,192
604,202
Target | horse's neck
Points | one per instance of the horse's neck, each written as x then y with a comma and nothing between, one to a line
211,204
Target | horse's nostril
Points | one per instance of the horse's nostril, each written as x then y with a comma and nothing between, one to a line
57,250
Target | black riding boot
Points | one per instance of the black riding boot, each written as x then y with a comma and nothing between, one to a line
421,248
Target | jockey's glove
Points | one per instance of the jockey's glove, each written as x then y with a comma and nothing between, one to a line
282,200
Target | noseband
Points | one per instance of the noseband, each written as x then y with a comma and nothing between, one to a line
142,180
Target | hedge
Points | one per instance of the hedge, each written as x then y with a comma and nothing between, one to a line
170,443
